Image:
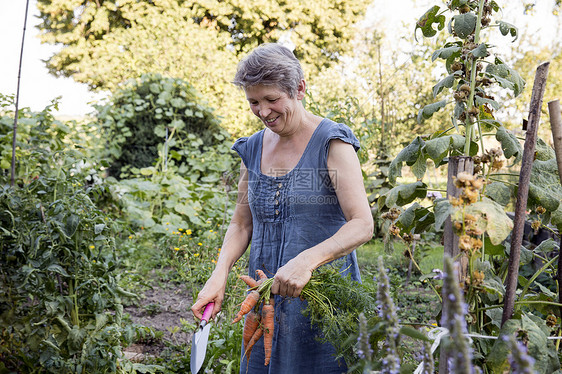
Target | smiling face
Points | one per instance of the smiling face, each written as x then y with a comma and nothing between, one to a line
275,108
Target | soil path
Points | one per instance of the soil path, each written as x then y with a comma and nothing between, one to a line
162,308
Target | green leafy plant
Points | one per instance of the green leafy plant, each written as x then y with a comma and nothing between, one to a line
472,76
60,299
158,119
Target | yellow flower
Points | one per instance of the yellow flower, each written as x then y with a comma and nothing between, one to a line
94,261
176,249
167,223
130,236
92,246
195,254
188,232
199,243
167,229
180,229
219,249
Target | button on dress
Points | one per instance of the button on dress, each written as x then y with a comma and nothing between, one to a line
290,214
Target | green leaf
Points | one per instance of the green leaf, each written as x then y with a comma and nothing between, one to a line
409,155
442,211
420,166
506,76
101,321
481,51
447,82
492,283
407,217
482,100
55,268
498,192
544,187
405,194
538,346
99,228
493,219
543,151
438,148
495,316
426,22
509,143
447,52
464,24
178,124
508,28
459,109
491,249
414,333
428,110
546,246
71,224
160,131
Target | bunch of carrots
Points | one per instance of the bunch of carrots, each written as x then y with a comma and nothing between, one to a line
257,324
334,303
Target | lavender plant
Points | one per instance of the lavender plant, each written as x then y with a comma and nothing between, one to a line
519,359
387,311
428,362
457,345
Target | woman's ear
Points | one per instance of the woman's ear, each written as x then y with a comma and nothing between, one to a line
301,90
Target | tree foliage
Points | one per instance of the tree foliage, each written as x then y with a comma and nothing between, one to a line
106,42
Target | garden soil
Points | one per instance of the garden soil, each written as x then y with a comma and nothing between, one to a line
161,307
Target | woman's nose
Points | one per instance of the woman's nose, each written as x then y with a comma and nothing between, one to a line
264,112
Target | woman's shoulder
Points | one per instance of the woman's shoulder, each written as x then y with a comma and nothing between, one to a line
248,145
335,130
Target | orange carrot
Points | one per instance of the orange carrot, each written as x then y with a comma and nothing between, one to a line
250,326
251,282
249,302
257,335
268,321
261,275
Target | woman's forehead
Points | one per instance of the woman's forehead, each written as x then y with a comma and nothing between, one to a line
261,90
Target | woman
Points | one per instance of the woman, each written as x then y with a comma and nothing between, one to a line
301,203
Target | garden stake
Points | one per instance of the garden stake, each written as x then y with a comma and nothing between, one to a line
15,131
523,190
556,128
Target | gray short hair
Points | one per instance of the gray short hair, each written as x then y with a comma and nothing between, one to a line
270,64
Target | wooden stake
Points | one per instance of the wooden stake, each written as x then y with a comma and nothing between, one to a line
523,190
556,127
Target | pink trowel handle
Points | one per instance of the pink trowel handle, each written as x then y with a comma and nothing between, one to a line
207,312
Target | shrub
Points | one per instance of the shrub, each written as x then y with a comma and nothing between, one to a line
139,118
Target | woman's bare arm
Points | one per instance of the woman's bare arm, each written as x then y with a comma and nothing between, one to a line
235,243
347,179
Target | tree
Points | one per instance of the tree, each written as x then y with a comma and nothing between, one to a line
105,42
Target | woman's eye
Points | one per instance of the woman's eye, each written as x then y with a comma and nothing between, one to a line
272,100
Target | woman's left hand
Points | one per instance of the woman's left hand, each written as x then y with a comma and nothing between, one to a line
291,278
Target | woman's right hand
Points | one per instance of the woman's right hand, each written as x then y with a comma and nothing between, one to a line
213,291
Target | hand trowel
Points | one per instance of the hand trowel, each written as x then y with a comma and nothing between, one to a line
200,338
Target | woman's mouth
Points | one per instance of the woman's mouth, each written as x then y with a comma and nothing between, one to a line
271,120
